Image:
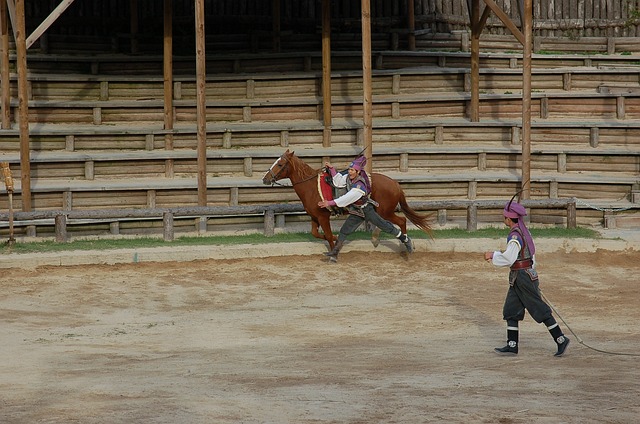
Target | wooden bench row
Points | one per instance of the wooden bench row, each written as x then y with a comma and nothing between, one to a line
545,105
436,49
386,158
423,80
148,192
614,134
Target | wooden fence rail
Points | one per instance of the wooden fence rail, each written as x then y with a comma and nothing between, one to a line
61,218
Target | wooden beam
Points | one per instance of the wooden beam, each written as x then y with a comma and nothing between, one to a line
506,20
11,8
526,98
411,22
133,24
474,14
49,20
168,66
326,73
23,107
276,6
367,101
4,72
201,105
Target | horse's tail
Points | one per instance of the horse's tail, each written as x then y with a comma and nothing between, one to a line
421,221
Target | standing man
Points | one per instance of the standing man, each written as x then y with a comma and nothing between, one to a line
359,205
524,292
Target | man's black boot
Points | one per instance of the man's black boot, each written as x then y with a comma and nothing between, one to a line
510,349
333,255
563,343
408,243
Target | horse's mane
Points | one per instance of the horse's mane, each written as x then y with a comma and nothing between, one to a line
301,168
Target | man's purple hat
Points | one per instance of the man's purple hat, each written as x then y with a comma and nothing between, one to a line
516,210
358,163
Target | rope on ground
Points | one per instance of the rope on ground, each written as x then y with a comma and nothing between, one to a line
583,203
578,337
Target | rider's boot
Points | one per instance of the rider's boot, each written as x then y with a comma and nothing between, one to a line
375,236
408,243
333,255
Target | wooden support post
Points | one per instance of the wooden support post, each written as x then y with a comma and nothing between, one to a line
133,12
276,25
482,161
233,196
201,103
284,138
404,162
571,215
411,23
5,84
620,108
609,220
167,226
226,140
594,136
89,170
269,223
367,89
476,30
472,217
167,71
201,225
527,41
61,228
248,167
23,105
69,143
442,217
326,73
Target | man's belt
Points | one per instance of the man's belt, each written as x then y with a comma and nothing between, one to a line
522,264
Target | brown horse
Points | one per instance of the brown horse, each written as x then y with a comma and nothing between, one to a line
384,190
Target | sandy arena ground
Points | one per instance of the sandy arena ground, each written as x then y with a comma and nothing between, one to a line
377,338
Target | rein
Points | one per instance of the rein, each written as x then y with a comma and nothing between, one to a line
275,176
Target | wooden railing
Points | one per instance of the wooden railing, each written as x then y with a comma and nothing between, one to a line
61,218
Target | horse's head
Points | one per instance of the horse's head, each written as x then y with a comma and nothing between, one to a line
280,169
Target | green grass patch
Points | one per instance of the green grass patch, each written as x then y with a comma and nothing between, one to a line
149,242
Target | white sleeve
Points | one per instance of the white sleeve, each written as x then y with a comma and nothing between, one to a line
509,256
351,196
340,180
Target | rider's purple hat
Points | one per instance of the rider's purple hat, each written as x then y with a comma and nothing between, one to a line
514,210
358,163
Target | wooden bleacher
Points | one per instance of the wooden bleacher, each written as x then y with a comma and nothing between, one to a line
98,142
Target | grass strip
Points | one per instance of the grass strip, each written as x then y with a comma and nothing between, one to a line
150,242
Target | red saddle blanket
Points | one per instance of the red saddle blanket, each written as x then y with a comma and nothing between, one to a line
324,188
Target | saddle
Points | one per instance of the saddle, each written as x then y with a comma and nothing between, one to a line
328,191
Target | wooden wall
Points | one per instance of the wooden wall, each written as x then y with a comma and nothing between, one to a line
557,18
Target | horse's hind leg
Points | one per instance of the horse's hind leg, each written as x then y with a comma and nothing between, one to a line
326,229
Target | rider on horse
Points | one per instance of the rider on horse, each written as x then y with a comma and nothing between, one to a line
359,205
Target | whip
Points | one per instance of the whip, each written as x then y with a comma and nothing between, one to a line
578,337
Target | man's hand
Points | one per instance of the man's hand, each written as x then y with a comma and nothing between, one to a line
488,256
323,204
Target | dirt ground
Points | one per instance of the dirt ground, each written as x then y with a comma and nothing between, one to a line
376,338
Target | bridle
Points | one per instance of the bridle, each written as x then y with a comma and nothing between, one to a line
275,176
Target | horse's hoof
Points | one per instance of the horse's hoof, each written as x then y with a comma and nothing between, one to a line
375,237
333,259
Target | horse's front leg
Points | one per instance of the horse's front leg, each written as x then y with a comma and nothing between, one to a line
323,222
